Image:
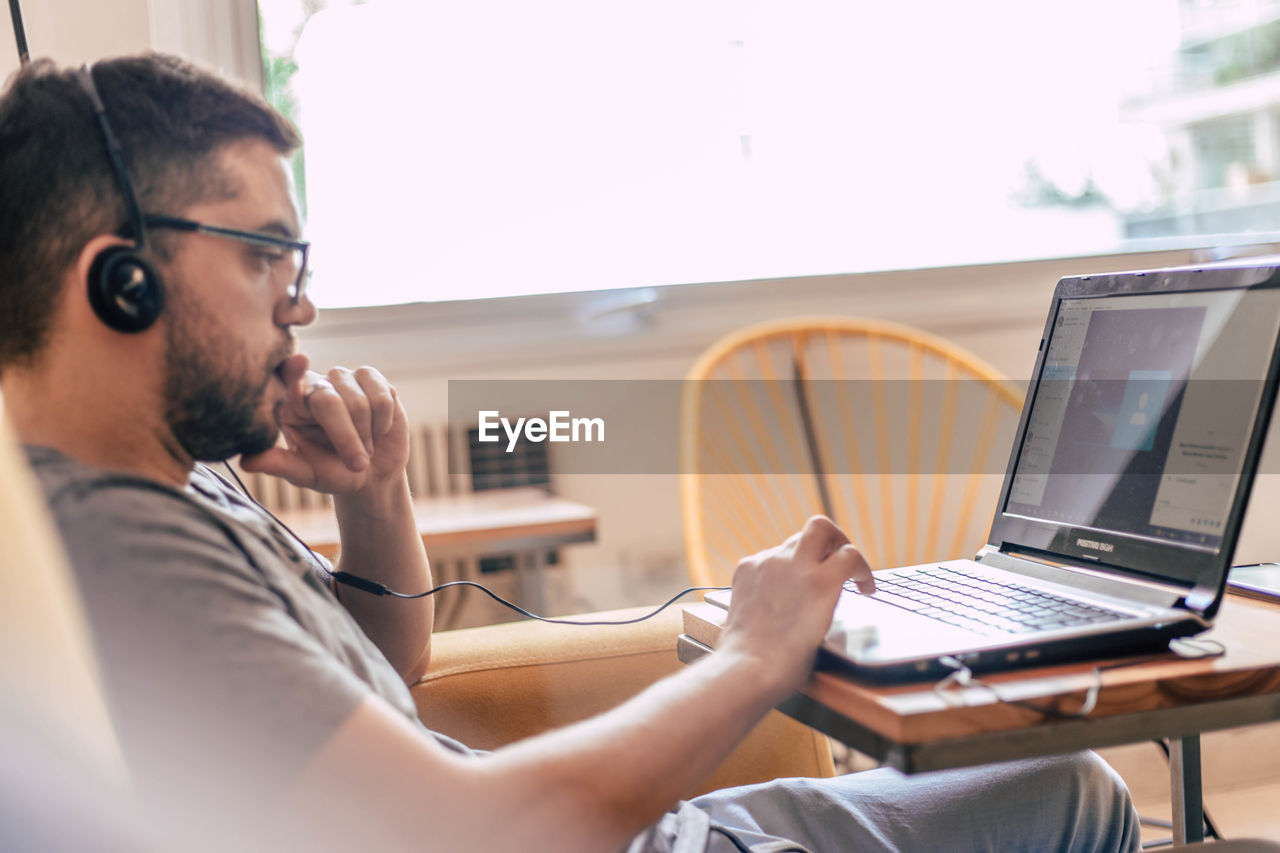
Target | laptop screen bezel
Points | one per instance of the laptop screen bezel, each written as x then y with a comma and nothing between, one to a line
1172,562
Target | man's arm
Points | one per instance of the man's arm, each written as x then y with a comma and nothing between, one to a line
380,542
380,781
347,434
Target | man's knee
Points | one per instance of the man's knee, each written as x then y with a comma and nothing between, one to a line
1100,795
1092,774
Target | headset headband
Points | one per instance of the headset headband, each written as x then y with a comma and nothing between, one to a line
114,154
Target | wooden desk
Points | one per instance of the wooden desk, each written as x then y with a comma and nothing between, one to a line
479,523
916,728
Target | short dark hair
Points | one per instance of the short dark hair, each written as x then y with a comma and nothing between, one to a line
57,190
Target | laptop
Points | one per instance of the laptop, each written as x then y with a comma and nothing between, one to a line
1124,493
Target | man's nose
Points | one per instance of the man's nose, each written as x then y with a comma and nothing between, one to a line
300,313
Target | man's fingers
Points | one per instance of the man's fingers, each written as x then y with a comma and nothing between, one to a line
381,397
819,539
300,464
316,385
823,542
359,409
280,462
855,567
330,409
294,373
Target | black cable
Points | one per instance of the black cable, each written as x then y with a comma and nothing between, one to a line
1186,648
244,490
375,588
19,32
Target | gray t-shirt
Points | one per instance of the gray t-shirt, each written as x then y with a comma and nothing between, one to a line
226,659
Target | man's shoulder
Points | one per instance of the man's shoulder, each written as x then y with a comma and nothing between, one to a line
72,487
110,514
69,484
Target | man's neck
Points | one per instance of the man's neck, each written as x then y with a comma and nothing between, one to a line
96,427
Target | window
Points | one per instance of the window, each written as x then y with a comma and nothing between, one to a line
464,150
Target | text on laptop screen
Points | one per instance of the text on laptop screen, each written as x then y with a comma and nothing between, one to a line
1143,412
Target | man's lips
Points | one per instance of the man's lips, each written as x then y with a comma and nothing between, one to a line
291,370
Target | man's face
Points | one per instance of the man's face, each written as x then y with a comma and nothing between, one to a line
229,316
217,394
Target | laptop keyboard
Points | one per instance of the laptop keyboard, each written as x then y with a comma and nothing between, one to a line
978,603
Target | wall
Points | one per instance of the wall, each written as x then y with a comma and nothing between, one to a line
221,34
76,31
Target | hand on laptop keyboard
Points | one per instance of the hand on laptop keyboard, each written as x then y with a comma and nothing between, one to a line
969,600
784,598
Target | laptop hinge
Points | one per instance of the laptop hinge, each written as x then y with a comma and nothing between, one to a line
1200,599
1087,577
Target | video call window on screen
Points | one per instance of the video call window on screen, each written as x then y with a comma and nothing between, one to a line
1141,418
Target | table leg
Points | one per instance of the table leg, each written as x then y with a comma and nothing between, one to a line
531,566
447,570
1185,786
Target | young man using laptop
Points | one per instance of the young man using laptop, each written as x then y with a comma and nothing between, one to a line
153,277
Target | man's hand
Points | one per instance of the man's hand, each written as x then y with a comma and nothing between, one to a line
346,433
783,599
343,432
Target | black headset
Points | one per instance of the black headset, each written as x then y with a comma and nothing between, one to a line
124,288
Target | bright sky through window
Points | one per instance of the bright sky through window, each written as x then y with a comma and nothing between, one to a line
465,150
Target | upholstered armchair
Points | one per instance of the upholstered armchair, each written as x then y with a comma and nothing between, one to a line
494,685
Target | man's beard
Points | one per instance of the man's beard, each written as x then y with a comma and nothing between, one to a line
213,396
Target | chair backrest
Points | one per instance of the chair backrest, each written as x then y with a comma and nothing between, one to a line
64,779
48,674
900,436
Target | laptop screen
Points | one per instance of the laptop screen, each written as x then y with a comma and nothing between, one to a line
1143,413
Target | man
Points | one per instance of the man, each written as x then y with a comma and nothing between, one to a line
143,336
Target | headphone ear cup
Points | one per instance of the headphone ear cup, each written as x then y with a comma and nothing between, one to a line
125,290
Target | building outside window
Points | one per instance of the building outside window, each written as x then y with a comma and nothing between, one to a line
1215,102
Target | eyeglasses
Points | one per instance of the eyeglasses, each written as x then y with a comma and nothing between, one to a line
287,258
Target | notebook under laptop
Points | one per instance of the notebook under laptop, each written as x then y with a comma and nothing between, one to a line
1125,489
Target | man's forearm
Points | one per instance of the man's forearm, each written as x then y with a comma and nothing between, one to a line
593,785
588,787
631,764
380,542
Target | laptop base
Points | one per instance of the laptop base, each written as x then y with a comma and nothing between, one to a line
1083,649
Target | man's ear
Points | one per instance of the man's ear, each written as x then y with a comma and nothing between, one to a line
89,252
75,278
123,289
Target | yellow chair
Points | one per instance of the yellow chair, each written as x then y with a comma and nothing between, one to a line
64,778
496,684
898,435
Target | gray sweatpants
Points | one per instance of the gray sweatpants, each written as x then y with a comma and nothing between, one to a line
1068,803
